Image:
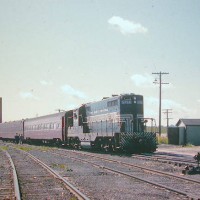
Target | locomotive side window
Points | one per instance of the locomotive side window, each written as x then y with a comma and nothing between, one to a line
88,109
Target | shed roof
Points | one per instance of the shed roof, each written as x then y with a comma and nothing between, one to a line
189,122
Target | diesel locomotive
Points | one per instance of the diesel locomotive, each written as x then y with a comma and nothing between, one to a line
113,123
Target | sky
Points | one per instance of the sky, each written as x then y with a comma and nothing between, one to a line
60,54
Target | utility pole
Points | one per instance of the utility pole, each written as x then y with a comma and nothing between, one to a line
160,95
167,111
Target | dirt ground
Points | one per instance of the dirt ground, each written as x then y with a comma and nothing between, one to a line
183,150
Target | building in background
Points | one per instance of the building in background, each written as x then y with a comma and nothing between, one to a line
187,131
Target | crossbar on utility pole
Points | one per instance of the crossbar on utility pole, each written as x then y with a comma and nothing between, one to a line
167,111
160,95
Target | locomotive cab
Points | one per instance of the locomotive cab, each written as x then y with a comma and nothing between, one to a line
131,111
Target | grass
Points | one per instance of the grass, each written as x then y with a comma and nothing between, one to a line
44,148
162,140
4,148
189,145
61,166
23,148
73,198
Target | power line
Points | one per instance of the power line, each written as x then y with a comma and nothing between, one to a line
167,111
160,95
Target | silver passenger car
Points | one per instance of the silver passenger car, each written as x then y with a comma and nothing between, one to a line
49,127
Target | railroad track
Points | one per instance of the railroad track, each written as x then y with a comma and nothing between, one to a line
39,181
166,158
182,189
185,186
9,187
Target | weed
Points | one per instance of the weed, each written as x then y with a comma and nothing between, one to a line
61,166
4,148
162,140
23,148
44,149
73,198
189,145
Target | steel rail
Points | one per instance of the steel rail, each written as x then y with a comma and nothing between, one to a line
140,167
123,173
135,177
165,158
15,179
132,176
68,185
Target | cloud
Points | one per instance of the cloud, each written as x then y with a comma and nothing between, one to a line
43,82
166,104
151,101
59,67
28,95
67,89
151,105
126,26
142,80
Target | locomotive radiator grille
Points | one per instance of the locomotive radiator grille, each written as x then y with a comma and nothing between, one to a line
138,142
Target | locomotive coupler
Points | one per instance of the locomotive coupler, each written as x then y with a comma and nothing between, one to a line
191,169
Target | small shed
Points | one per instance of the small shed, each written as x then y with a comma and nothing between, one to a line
173,135
189,131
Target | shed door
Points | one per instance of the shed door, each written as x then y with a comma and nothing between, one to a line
193,135
182,138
